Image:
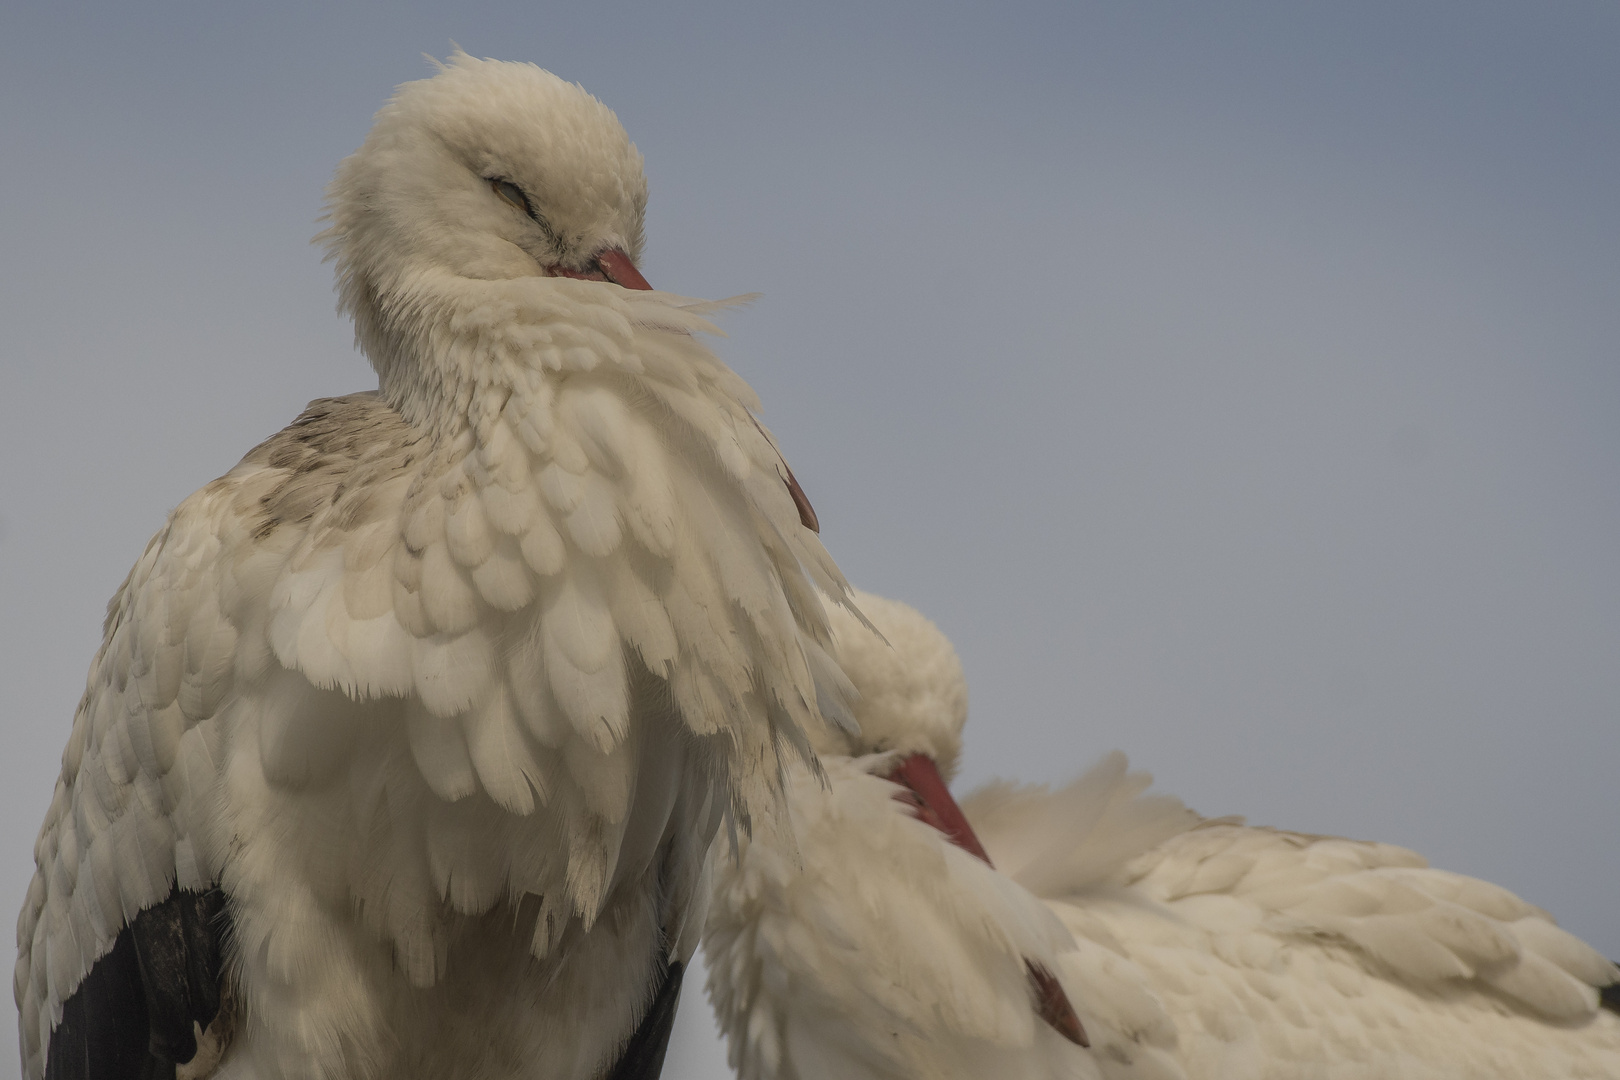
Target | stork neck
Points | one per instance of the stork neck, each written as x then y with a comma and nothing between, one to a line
438,398
451,348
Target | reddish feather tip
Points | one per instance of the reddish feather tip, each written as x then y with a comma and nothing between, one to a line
1053,1004
807,513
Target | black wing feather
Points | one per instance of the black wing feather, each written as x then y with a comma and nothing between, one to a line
102,1033
131,1017
643,1057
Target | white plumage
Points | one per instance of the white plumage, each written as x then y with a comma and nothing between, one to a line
1195,948
448,686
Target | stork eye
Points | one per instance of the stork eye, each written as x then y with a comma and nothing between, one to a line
512,194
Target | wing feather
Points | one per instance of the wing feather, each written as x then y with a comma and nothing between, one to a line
1432,930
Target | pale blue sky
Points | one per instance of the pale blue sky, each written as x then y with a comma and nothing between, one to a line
1236,384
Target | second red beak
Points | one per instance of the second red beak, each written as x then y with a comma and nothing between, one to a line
926,792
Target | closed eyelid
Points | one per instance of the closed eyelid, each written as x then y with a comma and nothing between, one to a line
511,193
516,197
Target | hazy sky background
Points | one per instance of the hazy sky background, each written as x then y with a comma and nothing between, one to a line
1236,384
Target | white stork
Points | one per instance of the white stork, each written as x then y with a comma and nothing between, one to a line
870,941
408,735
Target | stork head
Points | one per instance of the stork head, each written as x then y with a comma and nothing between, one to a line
913,696
912,704
486,171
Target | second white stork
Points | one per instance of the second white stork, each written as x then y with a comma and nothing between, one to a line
873,942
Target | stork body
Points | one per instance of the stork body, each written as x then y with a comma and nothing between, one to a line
408,736
1196,949
1260,953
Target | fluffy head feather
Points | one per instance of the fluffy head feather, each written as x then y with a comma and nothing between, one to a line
415,201
913,695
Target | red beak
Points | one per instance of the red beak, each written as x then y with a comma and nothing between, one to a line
926,792
621,271
611,264
920,776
